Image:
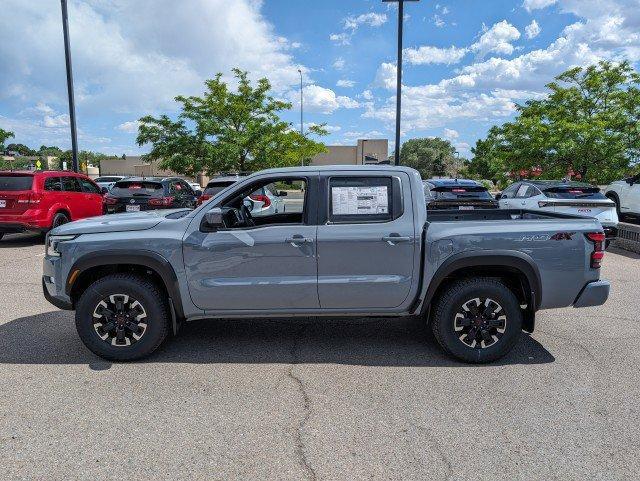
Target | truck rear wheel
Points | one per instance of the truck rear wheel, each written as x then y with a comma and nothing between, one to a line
122,317
477,320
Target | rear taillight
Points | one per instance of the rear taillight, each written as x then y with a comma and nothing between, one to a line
109,200
161,201
32,198
266,202
598,239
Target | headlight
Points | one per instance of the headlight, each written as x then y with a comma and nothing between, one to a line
53,241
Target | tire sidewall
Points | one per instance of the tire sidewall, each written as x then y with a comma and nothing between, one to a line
139,290
59,215
496,291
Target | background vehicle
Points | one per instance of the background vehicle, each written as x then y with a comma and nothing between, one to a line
363,244
216,185
458,194
564,197
41,200
108,181
626,195
195,186
134,194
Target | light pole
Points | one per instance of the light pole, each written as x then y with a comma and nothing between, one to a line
301,111
72,105
399,73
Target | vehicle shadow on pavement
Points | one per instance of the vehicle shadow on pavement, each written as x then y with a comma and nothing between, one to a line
50,338
21,240
624,253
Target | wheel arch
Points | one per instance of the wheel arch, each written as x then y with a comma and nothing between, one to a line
517,269
92,266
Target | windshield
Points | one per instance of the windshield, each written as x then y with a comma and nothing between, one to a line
460,192
214,187
10,183
142,188
568,192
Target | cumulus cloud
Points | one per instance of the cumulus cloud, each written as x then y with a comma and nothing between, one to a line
386,76
130,127
532,30
450,134
496,39
537,4
340,38
433,55
339,63
322,100
372,19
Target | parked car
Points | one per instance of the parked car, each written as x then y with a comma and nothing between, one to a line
461,194
216,185
134,194
108,181
564,197
41,200
626,195
195,186
363,244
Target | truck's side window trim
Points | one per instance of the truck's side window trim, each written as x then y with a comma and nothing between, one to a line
395,207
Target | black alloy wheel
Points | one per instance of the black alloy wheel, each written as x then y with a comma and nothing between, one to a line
119,320
480,322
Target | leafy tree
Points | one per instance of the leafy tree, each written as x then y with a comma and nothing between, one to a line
227,131
587,126
52,151
4,136
21,149
429,156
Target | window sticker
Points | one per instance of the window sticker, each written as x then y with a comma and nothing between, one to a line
359,200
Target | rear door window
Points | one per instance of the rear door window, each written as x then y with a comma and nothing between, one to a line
71,184
13,183
89,187
364,199
53,184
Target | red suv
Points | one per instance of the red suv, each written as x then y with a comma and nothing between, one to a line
41,200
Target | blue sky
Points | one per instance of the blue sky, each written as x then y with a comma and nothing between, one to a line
466,62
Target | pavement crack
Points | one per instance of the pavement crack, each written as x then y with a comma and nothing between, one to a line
300,447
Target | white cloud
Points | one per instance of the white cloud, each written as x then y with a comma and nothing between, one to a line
532,30
537,4
340,38
372,19
426,55
61,120
130,127
437,21
321,100
339,63
496,39
450,134
367,95
386,76
345,83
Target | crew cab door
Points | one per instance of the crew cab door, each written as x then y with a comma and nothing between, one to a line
270,265
366,240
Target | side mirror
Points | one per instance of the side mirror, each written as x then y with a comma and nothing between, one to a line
214,219
104,190
499,196
630,180
282,193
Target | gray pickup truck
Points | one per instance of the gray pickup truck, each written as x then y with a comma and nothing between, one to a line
360,243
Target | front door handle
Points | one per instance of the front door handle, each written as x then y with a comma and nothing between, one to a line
393,239
298,239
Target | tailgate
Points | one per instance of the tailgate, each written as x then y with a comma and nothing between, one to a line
603,210
15,191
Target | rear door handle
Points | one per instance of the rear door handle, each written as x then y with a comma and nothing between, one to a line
297,240
393,239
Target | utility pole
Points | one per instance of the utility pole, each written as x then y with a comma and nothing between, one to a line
399,73
72,105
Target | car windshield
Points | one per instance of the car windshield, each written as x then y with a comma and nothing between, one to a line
571,192
214,187
135,187
9,183
460,192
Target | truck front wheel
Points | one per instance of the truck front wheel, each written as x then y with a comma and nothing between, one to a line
477,320
122,317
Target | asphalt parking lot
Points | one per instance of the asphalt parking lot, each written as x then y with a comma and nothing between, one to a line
331,400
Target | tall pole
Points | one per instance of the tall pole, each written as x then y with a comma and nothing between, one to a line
72,106
399,80
301,110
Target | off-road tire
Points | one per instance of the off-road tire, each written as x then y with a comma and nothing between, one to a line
448,305
138,288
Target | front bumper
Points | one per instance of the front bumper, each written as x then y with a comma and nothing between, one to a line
60,303
593,294
52,289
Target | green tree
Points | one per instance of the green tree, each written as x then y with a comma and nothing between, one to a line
21,149
227,130
52,151
4,136
429,156
587,125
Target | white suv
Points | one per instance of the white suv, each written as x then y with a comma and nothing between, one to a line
563,197
626,194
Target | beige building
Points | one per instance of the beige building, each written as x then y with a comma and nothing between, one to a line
366,151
